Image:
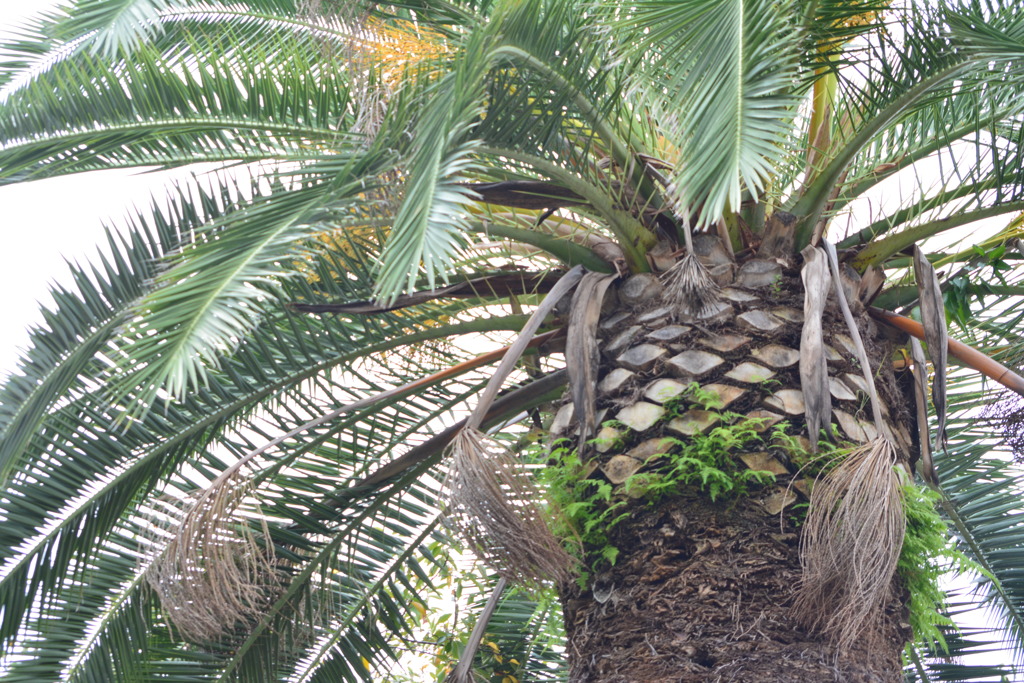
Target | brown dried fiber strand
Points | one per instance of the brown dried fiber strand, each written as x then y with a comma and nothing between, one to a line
175,570
689,287
933,319
851,542
491,501
214,574
492,504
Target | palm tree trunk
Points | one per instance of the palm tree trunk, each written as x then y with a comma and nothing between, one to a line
702,589
702,592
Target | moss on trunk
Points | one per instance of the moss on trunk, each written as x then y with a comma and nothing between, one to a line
693,558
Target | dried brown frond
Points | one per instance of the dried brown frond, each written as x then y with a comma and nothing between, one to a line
492,504
926,465
689,288
463,671
581,352
933,319
813,368
850,544
858,342
215,576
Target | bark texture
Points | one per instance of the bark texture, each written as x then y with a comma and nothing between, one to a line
702,590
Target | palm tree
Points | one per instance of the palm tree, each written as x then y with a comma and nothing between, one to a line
704,239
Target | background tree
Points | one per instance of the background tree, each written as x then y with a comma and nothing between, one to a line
223,455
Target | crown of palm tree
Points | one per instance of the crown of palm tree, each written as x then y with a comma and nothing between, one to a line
418,173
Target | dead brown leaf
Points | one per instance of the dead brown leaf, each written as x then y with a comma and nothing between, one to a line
920,372
581,352
813,367
933,317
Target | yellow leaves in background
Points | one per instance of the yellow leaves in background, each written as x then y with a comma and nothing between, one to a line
340,240
390,48
420,609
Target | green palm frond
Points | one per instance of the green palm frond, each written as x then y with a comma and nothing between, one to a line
964,190
970,655
64,349
227,274
993,30
66,506
528,628
727,70
153,108
428,228
981,497
115,26
365,151
894,112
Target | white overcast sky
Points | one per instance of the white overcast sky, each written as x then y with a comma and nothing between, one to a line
44,222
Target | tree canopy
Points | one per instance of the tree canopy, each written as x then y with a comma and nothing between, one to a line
223,454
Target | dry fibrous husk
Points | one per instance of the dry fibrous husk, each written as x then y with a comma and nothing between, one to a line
813,366
855,524
215,575
851,542
349,36
689,287
581,352
492,504
491,500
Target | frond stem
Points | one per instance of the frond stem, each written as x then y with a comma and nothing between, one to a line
970,357
815,196
517,400
462,670
632,236
561,248
886,224
876,253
